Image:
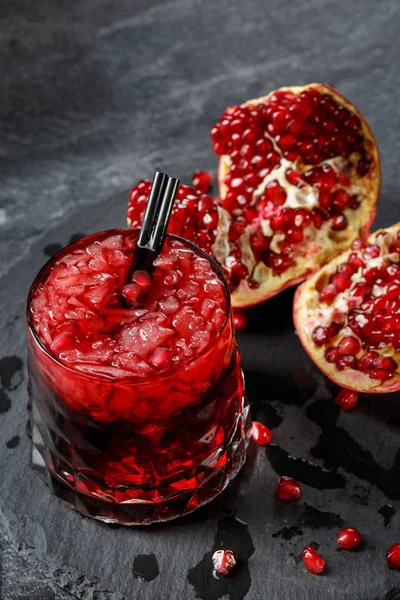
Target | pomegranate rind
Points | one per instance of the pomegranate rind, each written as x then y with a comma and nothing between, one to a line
327,243
308,313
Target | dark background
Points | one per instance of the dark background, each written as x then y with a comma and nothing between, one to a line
93,96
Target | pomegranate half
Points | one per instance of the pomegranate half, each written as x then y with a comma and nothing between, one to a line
299,176
347,315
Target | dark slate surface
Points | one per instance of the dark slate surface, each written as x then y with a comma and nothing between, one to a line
93,95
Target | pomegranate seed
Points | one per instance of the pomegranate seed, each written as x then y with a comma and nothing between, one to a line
346,362
339,222
345,269
331,355
161,357
224,561
278,221
288,488
202,181
319,335
340,200
355,261
385,362
349,345
393,556
275,193
341,282
260,434
366,362
312,561
347,399
62,342
142,279
357,244
380,374
348,537
328,293
241,321
372,251
311,98
132,292
361,290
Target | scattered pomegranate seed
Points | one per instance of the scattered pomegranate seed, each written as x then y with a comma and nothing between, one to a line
224,561
288,488
393,556
348,537
312,561
260,434
202,181
347,399
241,321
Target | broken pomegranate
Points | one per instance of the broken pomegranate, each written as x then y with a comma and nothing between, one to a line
260,433
348,537
393,556
312,561
196,216
288,488
224,561
299,176
347,315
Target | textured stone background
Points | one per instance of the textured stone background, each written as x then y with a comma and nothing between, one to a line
94,95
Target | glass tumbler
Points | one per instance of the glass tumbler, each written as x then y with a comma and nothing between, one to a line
138,450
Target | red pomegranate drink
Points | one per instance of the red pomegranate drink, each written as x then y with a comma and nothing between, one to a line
138,410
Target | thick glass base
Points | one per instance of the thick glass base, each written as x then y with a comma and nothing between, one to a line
135,506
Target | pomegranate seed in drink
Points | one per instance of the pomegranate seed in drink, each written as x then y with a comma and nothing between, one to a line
393,556
348,537
202,181
260,433
347,399
241,320
288,488
125,366
312,561
224,561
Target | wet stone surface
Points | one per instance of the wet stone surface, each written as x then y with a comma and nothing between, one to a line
93,98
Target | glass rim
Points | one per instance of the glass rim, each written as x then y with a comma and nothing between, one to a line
128,378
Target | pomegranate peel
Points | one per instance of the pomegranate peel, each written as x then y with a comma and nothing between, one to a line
366,315
315,164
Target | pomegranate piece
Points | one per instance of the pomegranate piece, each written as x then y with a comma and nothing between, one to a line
202,181
347,399
241,320
299,164
195,215
224,561
348,537
260,434
312,561
288,488
289,168
393,556
364,353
